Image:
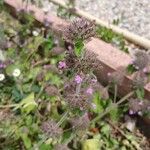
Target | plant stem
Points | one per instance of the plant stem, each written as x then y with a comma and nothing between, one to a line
40,92
115,93
121,131
41,62
78,89
115,105
125,97
8,106
63,118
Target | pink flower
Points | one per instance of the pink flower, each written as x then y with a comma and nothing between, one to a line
145,70
94,80
131,112
89,91
2,65
78,79
62,65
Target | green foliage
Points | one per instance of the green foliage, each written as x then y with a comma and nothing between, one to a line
25,103
61,12
140,93
131,69
109,36
100,103
91,144
79,45
1,5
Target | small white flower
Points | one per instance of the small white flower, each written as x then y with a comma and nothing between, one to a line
35,33
2,77
16,72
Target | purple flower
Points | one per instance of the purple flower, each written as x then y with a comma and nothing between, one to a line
2,65
89,91
131,62
131,112
78,79
145,70
94,80
62,65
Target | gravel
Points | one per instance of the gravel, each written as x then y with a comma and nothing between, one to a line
133,15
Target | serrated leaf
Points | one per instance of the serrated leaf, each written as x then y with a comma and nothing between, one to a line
26,141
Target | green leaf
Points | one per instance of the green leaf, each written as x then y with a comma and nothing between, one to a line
10,69
99,104
45,147
36,43
33,73
130,69
48,45
91,144
16,94
27,104
28,99
114,114
140,93
106,130
26,141
79,48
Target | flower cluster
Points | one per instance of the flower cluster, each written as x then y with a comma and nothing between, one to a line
78,79
62,65
79,92
61,147
57,51
86,64
76,95
81,101
79,29
80,123
139,80
51,90
51,129
117,77
141,59
137,106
